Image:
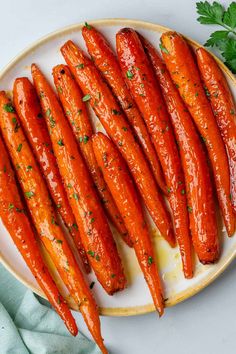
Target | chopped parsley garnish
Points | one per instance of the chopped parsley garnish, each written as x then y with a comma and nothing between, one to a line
9,108
190,209
75,196
84,139
163,49
115,112
59,89
29,194
28,168
80,66
60,142
129,74
86,98
19,148
150,260
91,253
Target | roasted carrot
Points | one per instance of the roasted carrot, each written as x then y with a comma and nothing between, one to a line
44,217
146,92
199,191
15,220
29,112
76,112
223,106
184,72
106,61
94,229
106,108
118,179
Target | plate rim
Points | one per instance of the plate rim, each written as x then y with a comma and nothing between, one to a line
193,290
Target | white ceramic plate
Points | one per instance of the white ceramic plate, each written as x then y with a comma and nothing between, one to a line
136,298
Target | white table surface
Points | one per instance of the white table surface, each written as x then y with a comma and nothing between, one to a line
206,323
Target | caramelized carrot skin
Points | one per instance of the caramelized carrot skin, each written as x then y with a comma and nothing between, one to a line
17,223
113,120
44,217
147,95
106,61
76,112
90,217
223,105
184,73
29,111
118,178
201,206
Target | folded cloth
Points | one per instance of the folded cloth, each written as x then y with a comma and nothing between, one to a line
28,324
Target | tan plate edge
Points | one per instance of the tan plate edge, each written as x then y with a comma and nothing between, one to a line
136,310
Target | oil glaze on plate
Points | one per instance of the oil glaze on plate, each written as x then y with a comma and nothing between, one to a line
136,298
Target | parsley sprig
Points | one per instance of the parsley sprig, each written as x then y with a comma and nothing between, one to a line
224,40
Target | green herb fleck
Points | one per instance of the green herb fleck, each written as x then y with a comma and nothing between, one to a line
163,49
19,148
86,98
115,112
150,260
60,142
129,74
9,108
91,253
75,196
29,194
29,168
10,206
80,66
190,209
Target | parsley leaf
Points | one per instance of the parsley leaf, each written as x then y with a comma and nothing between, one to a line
224,40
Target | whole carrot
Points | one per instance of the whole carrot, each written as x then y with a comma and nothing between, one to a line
17,223
223,106
183,70
94,229
200,199
106,108
118,179
106,61
76,112
44,217
29,112
146,92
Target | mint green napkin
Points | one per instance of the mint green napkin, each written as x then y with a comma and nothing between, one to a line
29,325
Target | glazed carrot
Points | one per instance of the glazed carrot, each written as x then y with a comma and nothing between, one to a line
146,92
201,206
44,217
17,223
76,112
184,72
223,106
106,61
29,111
118,179
94,229
106,108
